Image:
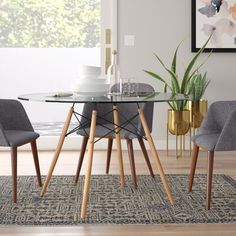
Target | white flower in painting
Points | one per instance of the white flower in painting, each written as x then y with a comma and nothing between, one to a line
222,26
225,26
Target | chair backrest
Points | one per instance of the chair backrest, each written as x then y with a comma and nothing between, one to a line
13,116
217,115
126,110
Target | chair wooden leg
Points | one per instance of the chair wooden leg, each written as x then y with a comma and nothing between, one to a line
131,160
81,157
118,143
109,150
57,152
209,177
89,165
145,154
193,166
14,173
155,155
36,161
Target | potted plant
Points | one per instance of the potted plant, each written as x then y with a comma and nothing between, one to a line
197,106
178,115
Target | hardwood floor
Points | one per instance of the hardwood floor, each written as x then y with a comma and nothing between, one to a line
225,163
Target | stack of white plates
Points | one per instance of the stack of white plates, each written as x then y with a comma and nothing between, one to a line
89,82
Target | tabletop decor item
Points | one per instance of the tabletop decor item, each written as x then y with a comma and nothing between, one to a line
178,115
89,82
216,18
113,74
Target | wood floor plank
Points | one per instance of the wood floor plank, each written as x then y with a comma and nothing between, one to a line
131,230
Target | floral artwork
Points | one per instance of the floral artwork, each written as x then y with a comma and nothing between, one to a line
49,23
216,18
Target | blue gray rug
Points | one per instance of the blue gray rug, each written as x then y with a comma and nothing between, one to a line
111,204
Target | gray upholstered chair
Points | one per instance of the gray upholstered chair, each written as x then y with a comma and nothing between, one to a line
16,130
126,110
217,133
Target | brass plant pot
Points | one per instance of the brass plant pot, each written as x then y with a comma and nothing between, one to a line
198,110
178,122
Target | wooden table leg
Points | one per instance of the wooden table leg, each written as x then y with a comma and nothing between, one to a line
118,143
58,150
155,155
89,164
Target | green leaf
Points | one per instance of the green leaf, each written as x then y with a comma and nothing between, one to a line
192,82
173,64
172,106
174,79
198,85
165,88
156,76
191,64
159,59
204,61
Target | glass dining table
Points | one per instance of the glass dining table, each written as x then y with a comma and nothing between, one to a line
113,99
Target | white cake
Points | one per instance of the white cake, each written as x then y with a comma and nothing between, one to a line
90,82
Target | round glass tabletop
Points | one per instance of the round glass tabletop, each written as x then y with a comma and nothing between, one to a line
67,97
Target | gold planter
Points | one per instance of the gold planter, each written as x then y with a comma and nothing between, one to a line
178,122
198,110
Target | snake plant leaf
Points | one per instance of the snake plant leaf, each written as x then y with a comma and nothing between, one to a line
174,61
190,66
174,79
197,86
159,59
205,83
172,106
156,76
204,61
165,88
192,84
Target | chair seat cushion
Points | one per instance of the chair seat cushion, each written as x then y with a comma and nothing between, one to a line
206,141
129,132
19,137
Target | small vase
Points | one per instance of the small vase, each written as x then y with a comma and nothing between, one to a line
113,75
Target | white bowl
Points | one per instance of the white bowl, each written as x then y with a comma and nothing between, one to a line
93,87
85,70
91,80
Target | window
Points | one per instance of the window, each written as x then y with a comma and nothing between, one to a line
57,24
48,23
43,42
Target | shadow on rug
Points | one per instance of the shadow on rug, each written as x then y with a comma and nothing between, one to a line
111,204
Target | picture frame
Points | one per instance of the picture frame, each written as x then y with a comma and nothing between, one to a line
216,17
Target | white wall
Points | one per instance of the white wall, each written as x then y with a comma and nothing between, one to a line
158,27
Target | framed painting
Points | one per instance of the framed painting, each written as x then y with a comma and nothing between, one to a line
216,17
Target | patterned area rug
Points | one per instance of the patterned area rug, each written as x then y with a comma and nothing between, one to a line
111,204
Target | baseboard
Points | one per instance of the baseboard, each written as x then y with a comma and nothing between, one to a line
74,143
